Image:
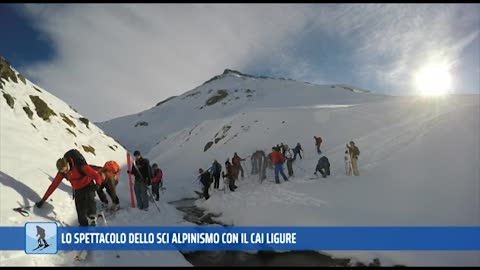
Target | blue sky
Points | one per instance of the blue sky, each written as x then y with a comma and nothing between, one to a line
134,55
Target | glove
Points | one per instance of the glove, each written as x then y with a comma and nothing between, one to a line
39,204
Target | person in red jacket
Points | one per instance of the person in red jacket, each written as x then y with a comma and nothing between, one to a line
157,182
80,177
277,160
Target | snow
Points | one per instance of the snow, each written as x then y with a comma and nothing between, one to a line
418,160
27,167
418,163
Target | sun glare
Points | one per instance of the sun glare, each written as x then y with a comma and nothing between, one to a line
433,80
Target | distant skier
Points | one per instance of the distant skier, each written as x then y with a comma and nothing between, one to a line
282,148
289,157
277,161
41,236
157,181
236,161
262,165
216,172
323,166
206,180
230,175
75,169
296,151
254,162
354,153
348,163
318,142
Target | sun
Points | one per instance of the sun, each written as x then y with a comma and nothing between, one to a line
433,80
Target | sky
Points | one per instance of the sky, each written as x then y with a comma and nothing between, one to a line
110,60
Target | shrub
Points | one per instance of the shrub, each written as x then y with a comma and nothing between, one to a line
84,120
9,99
141,123
20,76
6,72
67,120
89,149
28,112
42,109
207,146
221,94
71,132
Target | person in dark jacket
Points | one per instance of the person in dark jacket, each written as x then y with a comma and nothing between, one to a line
323,166
216,172
143,174
296,151
206,180
262,165
254,162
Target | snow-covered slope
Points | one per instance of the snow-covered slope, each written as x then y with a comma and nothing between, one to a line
36,128
419,155
224,96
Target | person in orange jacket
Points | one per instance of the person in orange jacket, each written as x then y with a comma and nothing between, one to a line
75,169
236,161
277,160
109,173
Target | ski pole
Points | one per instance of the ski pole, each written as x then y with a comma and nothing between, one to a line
105,220
151,196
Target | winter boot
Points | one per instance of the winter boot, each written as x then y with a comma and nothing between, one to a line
114,207
92,221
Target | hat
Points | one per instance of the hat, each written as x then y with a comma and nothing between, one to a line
351,142
136,153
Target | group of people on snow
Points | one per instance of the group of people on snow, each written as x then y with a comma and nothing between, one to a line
260,162
87,180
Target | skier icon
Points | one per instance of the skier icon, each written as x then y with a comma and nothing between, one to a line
41,236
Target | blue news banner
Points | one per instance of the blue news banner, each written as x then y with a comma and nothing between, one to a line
253,238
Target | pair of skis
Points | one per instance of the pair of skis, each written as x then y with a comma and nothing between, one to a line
39,248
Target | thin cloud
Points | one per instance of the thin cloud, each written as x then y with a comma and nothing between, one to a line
112,60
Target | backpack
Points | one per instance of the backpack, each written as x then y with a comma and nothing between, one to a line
78,160
148,178
111,166
217,168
